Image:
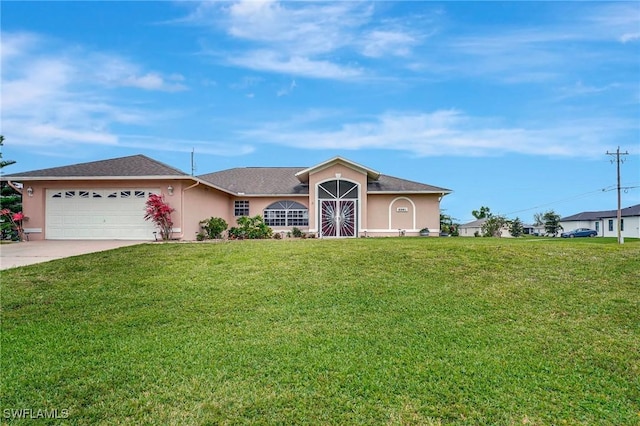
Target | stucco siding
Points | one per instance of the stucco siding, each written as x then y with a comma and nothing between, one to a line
389,213
607,227
631,227
34,206
201,203
120,187
570,226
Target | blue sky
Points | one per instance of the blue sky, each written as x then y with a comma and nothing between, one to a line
512,105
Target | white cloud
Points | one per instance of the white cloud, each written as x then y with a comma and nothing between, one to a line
628,37
208,147
247,83
16,44
446,133
55,95
613,21
287,91
298,28
56,134
151,81
546,51
304,38
580,89
381,43
266,60
119,72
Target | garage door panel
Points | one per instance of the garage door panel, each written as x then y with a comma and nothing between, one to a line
85,220
98,214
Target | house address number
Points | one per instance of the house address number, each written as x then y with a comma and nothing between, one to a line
402,210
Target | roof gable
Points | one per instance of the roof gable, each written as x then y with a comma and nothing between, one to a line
132,166
303,175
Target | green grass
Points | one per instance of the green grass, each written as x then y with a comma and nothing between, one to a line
365,331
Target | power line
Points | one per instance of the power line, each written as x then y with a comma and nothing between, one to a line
564,200
573,197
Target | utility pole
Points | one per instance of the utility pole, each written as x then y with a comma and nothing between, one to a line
618,161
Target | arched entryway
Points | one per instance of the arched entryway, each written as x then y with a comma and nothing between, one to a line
338,208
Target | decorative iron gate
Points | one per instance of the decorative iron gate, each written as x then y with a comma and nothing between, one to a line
338,208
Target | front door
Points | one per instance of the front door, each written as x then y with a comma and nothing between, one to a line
338,203
338,218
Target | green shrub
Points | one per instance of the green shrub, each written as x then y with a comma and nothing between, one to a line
252,228
297,233
214,227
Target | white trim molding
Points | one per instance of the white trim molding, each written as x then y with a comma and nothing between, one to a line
413,206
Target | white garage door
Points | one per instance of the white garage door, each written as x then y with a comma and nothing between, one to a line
98,214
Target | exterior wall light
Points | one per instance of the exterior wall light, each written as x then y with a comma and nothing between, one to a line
30,191
170,189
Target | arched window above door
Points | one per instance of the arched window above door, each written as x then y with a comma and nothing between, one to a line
337,189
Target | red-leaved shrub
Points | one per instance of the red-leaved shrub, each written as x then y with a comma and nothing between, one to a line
159,213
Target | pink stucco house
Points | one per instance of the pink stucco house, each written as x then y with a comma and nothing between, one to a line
336,198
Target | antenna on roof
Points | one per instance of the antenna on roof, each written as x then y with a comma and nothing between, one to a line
193,164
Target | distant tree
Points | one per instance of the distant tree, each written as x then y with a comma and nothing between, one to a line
538,219
10,198
482,213
492,227
516,228
4,163
448,225
10,202
552,223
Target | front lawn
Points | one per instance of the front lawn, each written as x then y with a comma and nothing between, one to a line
365,331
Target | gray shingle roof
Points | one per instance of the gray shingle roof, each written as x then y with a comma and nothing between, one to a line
626,212
247,180
258,180
132,166
283,181
475,224
394,184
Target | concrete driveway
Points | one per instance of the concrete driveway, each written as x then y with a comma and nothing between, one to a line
30,252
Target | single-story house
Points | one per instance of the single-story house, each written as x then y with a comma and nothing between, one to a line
474,229
336,198
533,229
606,222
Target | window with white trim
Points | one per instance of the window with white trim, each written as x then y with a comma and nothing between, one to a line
286,213
241,208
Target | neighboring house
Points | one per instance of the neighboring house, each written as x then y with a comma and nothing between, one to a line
606,222
474,229
336,198
536,230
